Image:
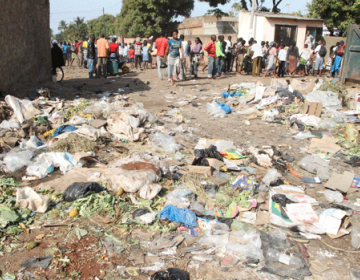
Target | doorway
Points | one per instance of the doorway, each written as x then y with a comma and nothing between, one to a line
285,34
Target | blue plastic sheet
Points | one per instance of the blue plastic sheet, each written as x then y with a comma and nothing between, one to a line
64,128
183,216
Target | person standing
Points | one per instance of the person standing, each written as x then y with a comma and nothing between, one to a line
220,56
282,58
161,44
69,53
304,59
65,51
240,52
121,53
309,39
103,50
126,52
145,55
149,46
210,48
293,57
228,55
74,55
320,53
339,53
256,54
138,53
182,66
91,55
57,59
85,49
271,60
174,49
131,54
195,57
79,52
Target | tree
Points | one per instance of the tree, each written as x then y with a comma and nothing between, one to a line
62,25
96,26
59,37
275,8
216,12
336,13
76,30
243,5
148,17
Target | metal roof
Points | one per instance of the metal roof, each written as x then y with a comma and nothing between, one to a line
285,16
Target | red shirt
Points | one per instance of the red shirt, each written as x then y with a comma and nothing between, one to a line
161,44
77,46
210,47
114,48
131,53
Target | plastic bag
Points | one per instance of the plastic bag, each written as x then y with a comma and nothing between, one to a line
328,99
327,124
140,212
355,237
63,128
249,237
316,165
333,196
76,120
23,109
147,218
33,142
64,161
179,198
270,115
226,108
183,216
9,125
215,110
15,161
171,274
149,191
271,176
40,170
304,135
28,198
246,251
224,145
165,143
80,190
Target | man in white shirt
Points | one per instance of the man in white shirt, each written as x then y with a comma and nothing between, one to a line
184,44
121,52
126,49
282,57
228,55
320,52
256,55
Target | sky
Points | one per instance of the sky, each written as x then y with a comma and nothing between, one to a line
69,9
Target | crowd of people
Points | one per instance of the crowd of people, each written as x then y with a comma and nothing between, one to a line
177,55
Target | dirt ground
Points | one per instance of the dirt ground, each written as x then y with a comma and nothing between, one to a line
90,261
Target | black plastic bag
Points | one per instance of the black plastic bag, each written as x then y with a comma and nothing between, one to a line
42,262
171,274
139,212
80,190
211,190
299,124
282,200
354,161
211,152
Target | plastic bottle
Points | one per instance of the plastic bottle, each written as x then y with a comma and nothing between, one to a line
355,237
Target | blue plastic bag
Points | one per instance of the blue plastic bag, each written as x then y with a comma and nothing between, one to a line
225,94
63,128
238,94
226,108
183,216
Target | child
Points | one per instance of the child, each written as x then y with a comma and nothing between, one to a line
131,54
145,55
282,57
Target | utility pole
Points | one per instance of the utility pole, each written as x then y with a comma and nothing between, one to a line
252,19
104,20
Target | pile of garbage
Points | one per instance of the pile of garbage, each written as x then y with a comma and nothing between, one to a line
160,205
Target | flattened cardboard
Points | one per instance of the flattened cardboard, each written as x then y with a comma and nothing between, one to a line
340,182
215,163
262,218
303,87
312,108
97,123
204,170
327,144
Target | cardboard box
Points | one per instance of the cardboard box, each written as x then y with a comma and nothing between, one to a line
203,170
312,108
303,87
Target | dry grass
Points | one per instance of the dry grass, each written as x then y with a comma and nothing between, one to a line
193,182
73,144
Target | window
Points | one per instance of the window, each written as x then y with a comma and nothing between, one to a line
285,34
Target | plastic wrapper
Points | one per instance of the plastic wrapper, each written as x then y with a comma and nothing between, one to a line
165,143
9,125
215,110
80,190
316,165
28,198
15,161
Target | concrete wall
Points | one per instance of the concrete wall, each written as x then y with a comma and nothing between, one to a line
25,43
331,41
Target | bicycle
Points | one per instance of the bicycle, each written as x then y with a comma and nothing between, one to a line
59,75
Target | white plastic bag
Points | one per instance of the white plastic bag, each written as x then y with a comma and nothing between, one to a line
165,143
15,161
147,218
23,109
304,135
40,170
215,110
9,125
149,191
28,198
